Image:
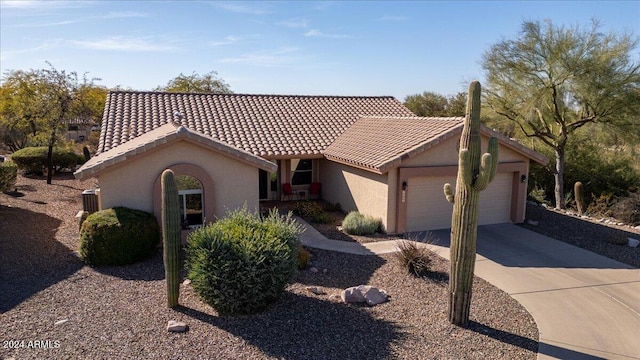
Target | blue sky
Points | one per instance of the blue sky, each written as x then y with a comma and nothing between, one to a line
294,47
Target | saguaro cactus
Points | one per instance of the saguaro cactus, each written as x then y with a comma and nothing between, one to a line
474,175
578,192
171,236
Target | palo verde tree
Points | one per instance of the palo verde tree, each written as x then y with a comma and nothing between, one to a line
37,105
552,80
208,83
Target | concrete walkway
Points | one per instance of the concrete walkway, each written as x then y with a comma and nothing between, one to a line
586,306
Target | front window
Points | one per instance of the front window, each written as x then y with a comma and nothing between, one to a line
301,171
191,206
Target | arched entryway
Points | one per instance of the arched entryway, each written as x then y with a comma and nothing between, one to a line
195,188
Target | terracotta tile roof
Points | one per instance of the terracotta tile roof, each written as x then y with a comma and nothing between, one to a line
162,136
380,143
270,126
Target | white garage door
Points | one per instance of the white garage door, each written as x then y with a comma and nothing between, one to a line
427,208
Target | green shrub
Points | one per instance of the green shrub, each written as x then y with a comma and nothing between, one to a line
312,211
242,263
34,159
332,207
118,236
627,209
357,224
304,256
8,175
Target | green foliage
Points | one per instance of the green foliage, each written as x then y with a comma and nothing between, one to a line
356,223
538,195
304,256
312,211
242,263
433,104
627,209
118,236
195,83
36,104
333,207
413,258
8,175
552,81
171,235
34,159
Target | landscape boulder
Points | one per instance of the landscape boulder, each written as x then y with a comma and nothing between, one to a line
364,293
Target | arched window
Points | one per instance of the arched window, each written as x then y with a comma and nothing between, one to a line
191,201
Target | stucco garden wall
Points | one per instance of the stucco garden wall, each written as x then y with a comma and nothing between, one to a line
355,189
131,184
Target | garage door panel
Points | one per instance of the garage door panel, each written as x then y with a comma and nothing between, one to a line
428,209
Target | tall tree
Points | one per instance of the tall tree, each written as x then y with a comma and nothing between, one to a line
37,104
433,104
552,80
195,83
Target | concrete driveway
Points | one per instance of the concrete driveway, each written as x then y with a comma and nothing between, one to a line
586,306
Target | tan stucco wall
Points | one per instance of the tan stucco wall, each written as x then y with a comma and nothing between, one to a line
131,184
446,153
355,189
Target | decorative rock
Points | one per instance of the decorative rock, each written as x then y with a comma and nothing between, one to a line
186,282
584,216
316,290
324,271
533,222
60,322
364,293
176,326
637,227
313,269
633,242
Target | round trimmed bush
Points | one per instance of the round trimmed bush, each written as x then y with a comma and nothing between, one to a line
356,223
118,236
242,263
34,159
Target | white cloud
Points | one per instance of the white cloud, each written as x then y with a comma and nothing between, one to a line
319,34
41,5
243,8
123,14
295,23
57,23
279,57
226,41
120,43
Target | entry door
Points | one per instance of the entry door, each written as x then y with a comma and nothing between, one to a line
263,177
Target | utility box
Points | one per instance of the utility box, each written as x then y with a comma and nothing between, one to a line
90,201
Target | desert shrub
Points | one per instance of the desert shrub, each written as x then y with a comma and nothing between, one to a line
413,258
332,207
304,256
356,223
242,263
601,205
312,211
8,175
627,209
538,195
34,159
118,236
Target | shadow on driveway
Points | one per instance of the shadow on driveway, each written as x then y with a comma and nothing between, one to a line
32,259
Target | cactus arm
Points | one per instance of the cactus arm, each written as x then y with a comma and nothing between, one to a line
171,235
448,192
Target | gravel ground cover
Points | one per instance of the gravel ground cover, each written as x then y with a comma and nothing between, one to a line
587,233
54,307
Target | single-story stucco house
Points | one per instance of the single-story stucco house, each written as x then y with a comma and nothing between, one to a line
369,154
